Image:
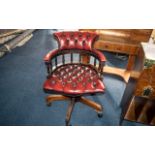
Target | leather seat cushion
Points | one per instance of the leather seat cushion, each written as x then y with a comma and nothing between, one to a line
74,79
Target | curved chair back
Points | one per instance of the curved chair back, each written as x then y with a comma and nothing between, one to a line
76,40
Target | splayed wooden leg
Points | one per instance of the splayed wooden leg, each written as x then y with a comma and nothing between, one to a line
51,98
70,110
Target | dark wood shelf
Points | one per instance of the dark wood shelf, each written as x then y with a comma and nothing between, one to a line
141,110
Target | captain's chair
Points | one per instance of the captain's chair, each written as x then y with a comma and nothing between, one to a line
74,70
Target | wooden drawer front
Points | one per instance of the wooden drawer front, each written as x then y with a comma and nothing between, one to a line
107,46
116,47
103,45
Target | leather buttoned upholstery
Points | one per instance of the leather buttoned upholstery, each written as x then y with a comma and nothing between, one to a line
74,79
75,40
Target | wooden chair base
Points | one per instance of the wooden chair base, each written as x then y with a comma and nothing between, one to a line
73,100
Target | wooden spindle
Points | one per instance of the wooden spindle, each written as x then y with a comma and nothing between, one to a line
49,68
56,62
63,59
71,57
95,62
79,57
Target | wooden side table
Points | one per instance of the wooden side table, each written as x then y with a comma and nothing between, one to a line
123,41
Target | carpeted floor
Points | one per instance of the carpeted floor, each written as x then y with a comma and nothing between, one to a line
22,74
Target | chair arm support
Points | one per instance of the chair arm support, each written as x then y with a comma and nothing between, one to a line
50,55
47,60
100,55
102,60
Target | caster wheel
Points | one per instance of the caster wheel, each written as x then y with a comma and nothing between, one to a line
49,104
69,124
100,114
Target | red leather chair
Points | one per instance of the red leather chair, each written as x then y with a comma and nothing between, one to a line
71,79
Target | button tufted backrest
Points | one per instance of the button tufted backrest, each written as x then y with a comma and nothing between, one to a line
75,40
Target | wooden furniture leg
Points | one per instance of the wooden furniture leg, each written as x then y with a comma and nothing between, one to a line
51,98
130,63
69,111
73,100
91,104
125,74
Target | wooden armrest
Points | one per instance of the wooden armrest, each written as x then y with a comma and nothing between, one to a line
100,55
49,55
